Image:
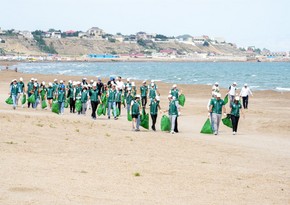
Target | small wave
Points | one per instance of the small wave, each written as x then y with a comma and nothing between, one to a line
253,75
282,89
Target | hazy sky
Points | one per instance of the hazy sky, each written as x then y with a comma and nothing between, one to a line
263,23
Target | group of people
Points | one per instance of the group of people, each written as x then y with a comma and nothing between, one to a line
216,105
91,94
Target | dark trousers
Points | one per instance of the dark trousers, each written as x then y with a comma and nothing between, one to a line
245,102
235,122
118,105
144,101
72,105
154,118
28,104
94,108
176,127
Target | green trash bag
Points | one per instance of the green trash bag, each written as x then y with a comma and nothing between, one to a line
78,105
104,109
129,117
66,104
117,112
226,99
23,100
227,122
145,121
207,129
165,123
55,107
100,110
42,94
181,100
43,104
9,101
32,99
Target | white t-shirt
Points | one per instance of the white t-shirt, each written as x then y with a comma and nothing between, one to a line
232,90
245,92
120,85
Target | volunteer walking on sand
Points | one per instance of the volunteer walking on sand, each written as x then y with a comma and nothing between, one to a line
154,106
216,107
14,90
173,112
245,92
236,107
21,87
144,92
135,113
95,99
232,92
50,94
112,101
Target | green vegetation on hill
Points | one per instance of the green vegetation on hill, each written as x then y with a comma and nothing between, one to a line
41,43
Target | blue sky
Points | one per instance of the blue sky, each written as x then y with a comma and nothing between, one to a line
262,23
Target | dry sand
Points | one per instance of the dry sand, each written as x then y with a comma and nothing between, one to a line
50,159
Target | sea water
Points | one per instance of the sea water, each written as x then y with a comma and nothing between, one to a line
259,76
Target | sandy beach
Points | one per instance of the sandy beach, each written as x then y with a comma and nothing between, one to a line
50,159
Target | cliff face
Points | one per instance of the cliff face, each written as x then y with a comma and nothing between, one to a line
79,47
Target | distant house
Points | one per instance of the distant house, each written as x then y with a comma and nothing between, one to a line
71,33
83,35
55,34
119,38
168,52
199,39
2,32
219,39
141,35
26,34
95,32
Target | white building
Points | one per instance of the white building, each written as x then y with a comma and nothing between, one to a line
26,34
55,34
198,39
95,32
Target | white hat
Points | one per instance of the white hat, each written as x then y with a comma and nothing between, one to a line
14,80
215,93
218,95
157,98
61,81
152,84
92,81
237,98
43,83
152,81
137,96
94,84
169,96
133,84
113,84
50,84
74,83
216,83
174,86
70,81
234,83
55,80
129,88
35,79
144,81
84,78
21,79
32,79
246,84
35,84
128,79
78,82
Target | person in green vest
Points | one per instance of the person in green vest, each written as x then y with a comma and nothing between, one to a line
236,107
55,86
95,98
61,99
14,90
217,105
35,91
175,92
50,94
152,92
43,92
71,95
144,93
111,95
154,106
133,89
119,99
30,86
135,113
84,99
173,112
21,87
129,99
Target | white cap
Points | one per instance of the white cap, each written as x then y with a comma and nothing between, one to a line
216,83
234,83
35,84
94,84
74,83
133,84
215,93
70,81
128,79
152,84
50,84
246,84
61,81
92,81
55,80
43,83
169,96
35,79
174,86
84,78
137,96
21,79
144,81
237,98
218,95
32,79
129,88
113,84
152,81
14,80
78,82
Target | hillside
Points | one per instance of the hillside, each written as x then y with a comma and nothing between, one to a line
77,47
